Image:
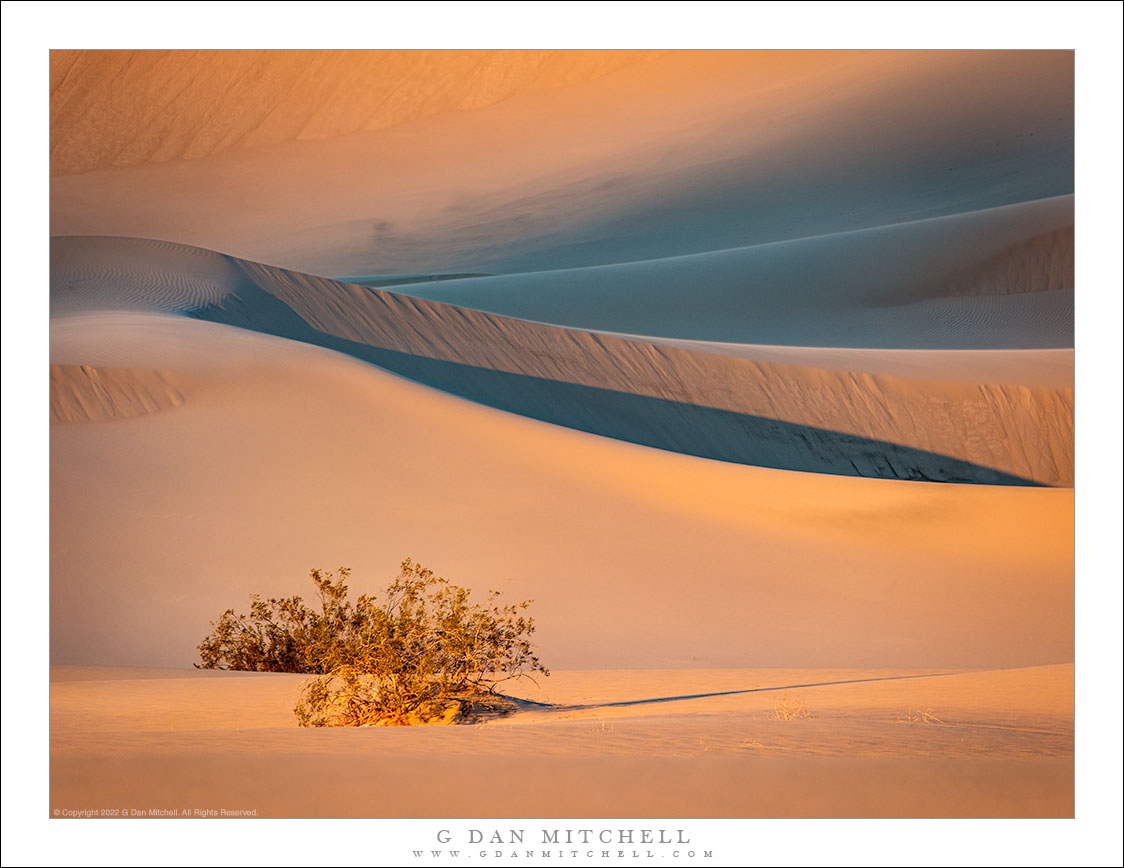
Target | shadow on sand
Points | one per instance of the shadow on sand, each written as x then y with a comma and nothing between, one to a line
675,426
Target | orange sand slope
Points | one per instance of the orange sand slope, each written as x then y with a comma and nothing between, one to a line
405,162
694,743
251,99
284,456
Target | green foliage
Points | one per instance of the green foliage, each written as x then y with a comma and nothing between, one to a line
280,635
425,654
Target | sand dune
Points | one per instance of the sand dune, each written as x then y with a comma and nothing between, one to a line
289,456
92,274
712,405
995,279
669,155
990,752
197,103
1049,369
83,393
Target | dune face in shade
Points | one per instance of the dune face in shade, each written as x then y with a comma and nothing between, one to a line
754,370
709,404
1010,285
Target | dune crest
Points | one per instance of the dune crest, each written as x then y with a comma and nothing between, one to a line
874,413
92,273
998,278
771,414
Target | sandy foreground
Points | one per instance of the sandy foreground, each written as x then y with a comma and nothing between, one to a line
656,743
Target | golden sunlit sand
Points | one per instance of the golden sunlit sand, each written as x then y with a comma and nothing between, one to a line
678,743
772,418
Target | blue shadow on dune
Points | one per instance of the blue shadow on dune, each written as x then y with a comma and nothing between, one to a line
675,426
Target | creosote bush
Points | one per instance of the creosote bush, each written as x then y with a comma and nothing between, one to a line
425,654
785,710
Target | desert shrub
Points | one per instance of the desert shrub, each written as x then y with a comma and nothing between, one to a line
425,653
280,635
795,710
920,716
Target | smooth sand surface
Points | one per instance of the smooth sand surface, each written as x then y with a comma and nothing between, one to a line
557,165
680,743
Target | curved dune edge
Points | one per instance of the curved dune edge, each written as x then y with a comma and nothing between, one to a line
995,278
96,273
735,409
290,456
85,393
1043,368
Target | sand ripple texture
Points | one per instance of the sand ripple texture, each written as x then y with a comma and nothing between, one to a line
93,273
258,98
84,393
719,406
